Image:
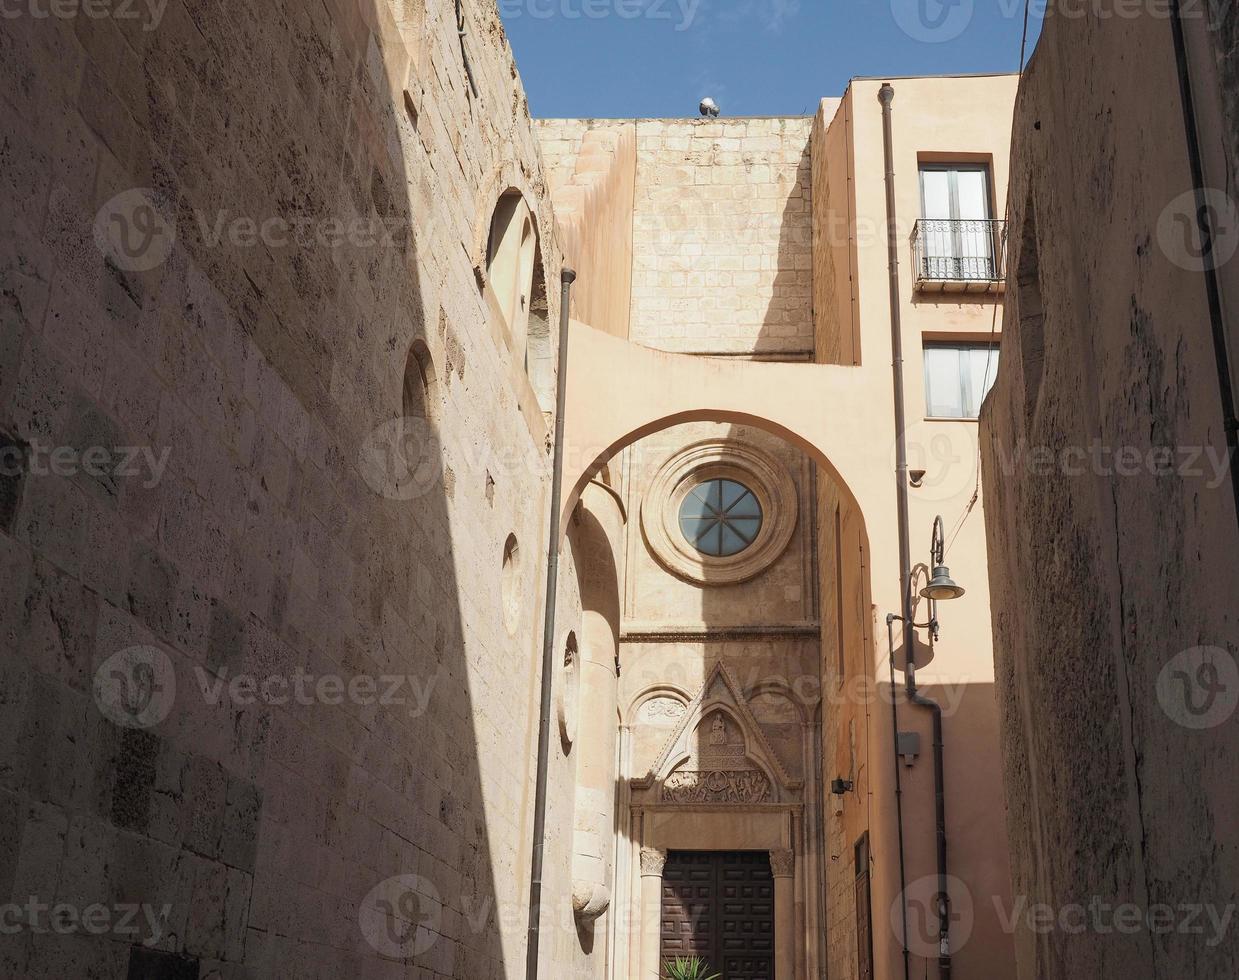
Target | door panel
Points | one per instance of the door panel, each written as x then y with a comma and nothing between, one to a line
719,905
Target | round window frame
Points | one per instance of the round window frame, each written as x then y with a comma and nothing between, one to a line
767,479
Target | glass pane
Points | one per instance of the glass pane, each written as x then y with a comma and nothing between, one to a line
731,492
747,527
973,200
982,370
943,385
710,542
936,193
746,506
732,542
693,507
691,528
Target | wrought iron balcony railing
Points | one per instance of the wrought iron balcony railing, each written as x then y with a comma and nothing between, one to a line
958,255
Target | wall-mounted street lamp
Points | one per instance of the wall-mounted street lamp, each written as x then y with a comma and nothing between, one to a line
940,586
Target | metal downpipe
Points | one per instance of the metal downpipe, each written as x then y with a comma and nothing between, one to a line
1204,226
567,277
903,876
886,96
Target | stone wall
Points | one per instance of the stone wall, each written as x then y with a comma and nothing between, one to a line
1113,576
320,181
722,236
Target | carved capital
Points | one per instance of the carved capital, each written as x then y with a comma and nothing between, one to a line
782,863
652,861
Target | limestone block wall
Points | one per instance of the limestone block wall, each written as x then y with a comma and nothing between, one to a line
319,183
561,141
722,236
1110,573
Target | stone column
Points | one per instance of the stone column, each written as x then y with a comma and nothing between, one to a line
783,867
598,526
652,861
594,824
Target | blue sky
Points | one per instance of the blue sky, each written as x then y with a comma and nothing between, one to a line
653,58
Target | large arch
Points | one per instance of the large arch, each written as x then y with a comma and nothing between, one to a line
620,392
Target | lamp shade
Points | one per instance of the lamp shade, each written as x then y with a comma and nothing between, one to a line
942,586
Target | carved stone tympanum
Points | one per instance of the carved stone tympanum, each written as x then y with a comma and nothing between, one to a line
712,786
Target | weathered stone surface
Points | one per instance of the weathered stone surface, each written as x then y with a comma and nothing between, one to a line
311,229
1111,535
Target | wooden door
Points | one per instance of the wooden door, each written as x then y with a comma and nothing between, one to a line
719,905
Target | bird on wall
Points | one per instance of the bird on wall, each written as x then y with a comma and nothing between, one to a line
709,107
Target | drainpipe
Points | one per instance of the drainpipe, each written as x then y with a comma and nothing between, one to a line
887,96
567,277
1204,227
903,877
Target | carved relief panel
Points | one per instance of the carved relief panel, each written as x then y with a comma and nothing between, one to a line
715,753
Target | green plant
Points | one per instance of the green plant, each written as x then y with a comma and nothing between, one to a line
692,968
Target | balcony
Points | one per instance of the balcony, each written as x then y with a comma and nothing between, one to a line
958,256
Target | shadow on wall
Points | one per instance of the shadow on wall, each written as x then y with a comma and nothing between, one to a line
793,282
236,692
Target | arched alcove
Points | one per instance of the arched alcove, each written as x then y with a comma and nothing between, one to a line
516,280
421,385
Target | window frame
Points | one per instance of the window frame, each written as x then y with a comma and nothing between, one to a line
963,376
958,254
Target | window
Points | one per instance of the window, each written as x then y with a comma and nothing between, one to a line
509,264
957,379
957,234
720,517
517,283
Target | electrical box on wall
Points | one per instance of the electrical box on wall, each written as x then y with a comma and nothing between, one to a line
908,747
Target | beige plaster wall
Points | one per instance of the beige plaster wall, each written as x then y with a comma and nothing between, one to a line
836,337
262,370
1113,798
934,119
591,167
